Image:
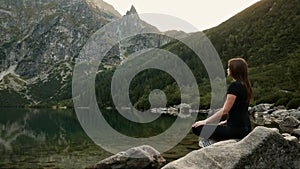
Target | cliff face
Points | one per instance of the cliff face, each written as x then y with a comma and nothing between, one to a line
37,34
39,41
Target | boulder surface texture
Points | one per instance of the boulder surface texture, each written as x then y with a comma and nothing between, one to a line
143,157
263,148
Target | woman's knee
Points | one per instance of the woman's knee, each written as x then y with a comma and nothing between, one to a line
197,130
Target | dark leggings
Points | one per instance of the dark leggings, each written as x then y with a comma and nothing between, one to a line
221,132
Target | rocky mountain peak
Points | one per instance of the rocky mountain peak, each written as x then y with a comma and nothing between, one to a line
131,11
39,41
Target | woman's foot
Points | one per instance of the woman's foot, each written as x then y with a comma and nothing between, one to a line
206,142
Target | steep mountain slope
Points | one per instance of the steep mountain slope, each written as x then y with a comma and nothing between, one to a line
41,39
267,35
39,33
264,33
38,37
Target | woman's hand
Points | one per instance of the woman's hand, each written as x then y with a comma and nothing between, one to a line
223,122
199,123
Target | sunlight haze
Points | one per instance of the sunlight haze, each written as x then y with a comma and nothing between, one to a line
203,14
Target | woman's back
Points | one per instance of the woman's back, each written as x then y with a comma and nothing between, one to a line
238,115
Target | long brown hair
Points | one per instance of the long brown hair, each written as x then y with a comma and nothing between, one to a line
239,71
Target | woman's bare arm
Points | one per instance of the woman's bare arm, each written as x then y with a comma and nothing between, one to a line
217,116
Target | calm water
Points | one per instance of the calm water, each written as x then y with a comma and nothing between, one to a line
46,138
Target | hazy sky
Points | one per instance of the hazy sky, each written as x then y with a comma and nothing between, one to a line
202,14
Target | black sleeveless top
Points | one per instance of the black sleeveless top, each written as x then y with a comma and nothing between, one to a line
238,115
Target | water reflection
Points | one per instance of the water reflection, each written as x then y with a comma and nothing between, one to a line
38,138
46,138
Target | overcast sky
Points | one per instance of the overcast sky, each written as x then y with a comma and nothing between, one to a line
202,14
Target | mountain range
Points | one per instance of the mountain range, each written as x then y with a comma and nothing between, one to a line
40,41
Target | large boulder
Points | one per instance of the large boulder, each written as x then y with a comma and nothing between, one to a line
288,124
143,157
296,114
262,148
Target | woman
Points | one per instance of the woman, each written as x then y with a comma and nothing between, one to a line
238,96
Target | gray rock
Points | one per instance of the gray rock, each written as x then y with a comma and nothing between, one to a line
288,124
295,114
281,114
134,158
259,114
263,118
285,134
291,138
296,133
260,108
260,149
279,107
260,121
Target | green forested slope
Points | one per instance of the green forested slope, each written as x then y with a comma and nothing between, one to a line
267,35
264,33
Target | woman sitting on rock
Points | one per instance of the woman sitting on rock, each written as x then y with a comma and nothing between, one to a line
237,125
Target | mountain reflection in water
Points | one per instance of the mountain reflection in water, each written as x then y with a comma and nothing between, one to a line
39,138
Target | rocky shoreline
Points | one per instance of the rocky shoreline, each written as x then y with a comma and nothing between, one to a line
273,143
287,121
